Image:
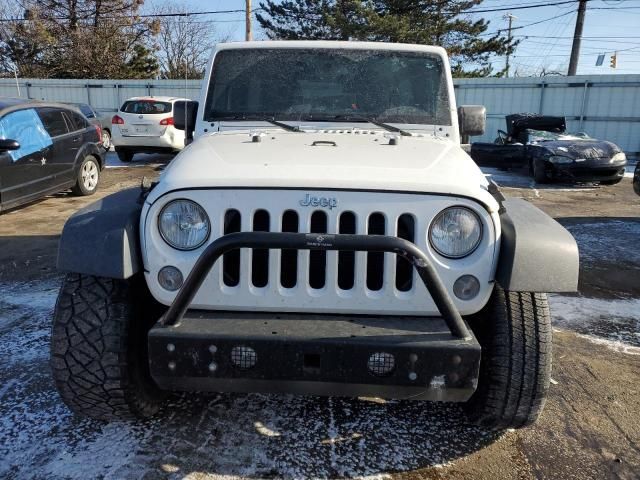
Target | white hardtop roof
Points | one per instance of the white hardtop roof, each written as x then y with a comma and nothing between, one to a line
158,98
406,47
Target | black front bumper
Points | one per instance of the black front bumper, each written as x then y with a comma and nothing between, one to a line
588,171
434,358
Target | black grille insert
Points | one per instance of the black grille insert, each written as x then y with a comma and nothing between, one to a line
375,260
318,258
346,260
231,260
404,269
260,256
289,258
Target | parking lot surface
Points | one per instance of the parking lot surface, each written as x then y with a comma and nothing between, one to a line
589,429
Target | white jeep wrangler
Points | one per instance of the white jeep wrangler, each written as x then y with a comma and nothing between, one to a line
324,234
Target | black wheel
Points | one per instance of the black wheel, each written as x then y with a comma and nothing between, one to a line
99,347
538,171
106,139
124,155
514,331
611,182
87,177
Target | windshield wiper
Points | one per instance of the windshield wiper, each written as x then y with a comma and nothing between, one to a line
259,118
361,118
286,126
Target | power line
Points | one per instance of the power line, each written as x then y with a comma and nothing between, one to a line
522,7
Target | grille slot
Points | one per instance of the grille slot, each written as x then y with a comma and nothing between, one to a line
231,260
404,269
375,260
318,258
289,258
346,260
260,256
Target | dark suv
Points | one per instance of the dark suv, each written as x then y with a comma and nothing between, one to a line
46,148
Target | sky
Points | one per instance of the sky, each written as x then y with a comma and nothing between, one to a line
610,26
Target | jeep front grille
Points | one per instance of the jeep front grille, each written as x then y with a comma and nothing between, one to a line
315,271
318,281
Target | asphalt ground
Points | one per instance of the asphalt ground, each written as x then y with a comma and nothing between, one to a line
590,427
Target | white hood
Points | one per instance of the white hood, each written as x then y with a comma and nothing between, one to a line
359,160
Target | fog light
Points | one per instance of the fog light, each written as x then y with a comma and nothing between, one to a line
243,357
466,287
170,278
381,364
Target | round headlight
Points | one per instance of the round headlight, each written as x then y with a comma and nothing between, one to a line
184,224
455,232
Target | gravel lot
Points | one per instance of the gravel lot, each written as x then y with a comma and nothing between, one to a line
590,427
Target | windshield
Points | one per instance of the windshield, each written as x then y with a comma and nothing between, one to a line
544,136
328,84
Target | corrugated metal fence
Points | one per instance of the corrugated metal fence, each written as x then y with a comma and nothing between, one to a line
605,106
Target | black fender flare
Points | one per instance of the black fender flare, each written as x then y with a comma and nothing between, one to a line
103,239
537,254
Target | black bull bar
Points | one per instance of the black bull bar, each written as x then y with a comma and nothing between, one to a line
314,241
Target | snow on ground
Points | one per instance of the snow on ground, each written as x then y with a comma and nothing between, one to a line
227,435
609,240
613,323
213,435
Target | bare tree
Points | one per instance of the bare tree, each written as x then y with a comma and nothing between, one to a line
76,39
184,43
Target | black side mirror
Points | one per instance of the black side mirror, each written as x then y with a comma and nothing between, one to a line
8,145
185,114
472,120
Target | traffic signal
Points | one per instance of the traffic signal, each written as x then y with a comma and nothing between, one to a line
614,59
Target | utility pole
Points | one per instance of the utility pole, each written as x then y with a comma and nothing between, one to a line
248,36
577,37
511,18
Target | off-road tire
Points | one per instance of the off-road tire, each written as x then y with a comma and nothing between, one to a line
99,348
83,186
124,155
538,171
514,331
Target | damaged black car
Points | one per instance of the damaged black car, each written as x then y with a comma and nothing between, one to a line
541,145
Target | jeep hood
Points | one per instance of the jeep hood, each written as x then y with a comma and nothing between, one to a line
344,160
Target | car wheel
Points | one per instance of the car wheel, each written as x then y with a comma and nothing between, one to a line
514,331
88,177
611,182
106,139
538,171
99,348
124,155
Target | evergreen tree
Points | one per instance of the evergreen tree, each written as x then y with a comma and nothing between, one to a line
446,23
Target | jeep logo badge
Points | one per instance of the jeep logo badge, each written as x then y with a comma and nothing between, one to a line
325,202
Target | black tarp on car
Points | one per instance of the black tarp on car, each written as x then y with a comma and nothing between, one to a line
519,122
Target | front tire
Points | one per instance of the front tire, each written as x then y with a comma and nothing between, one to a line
514,332
88,177
99,348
